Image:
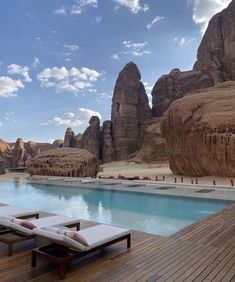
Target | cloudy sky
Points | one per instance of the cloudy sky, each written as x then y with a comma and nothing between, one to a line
59,59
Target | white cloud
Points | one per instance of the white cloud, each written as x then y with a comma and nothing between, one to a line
98,19
1,124
104,96
9,87
115,56
36,62
23,71
73,119
68,80
154,21
133,5
9,117
77,8
71,47
136,49
203,10
182,41
148,88
61,11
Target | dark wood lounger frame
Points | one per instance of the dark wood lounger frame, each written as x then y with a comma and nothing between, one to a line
63,256
12,237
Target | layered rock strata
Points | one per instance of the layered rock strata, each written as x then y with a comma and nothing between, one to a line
200,132
215,63
68,162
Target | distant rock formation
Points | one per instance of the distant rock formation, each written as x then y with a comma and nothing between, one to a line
67,162
130,109
200,132
153,146
215,63
69,138
91,138
119,138
107,148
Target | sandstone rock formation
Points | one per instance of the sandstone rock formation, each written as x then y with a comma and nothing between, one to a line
200,132
153,146
130,109
91,138
107,148
69,138
215,63
58,143
174,86
68,162
18,154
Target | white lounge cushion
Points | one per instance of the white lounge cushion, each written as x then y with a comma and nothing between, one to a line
41,222
59,239
54,220
15,211
101,234
95,236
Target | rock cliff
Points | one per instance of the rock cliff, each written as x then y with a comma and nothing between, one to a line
200,132
130,109
215,63
68,162
153,146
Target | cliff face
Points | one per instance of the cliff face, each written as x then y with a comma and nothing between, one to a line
130,109
215,63
199,130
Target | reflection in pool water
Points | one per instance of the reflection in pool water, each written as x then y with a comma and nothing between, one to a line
156,214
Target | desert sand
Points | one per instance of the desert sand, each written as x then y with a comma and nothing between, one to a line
162,171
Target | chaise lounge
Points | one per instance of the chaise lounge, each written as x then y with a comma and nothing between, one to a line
22,230
66,246
18,212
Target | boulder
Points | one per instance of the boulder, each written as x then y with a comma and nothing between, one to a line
130,109
200,132
68,162
215,63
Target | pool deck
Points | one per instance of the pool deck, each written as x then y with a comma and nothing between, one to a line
151,187
203,251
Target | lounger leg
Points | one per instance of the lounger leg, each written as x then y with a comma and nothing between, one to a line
78,226
62,270
129,241
33,259
10,249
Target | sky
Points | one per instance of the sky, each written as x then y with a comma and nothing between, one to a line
59,59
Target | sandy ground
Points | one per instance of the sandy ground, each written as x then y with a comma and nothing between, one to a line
159,170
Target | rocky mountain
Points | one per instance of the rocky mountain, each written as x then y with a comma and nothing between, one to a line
121,137
13,155
130,109
215,63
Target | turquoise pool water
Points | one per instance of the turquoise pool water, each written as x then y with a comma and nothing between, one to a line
155,214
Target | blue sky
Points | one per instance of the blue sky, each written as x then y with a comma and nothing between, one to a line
59,59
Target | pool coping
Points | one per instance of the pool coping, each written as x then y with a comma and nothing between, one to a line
218,193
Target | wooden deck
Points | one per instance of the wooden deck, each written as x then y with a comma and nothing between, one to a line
204,251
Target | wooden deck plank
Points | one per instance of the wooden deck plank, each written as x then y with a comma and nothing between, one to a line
203,251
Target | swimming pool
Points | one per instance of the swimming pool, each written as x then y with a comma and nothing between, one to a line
155,214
